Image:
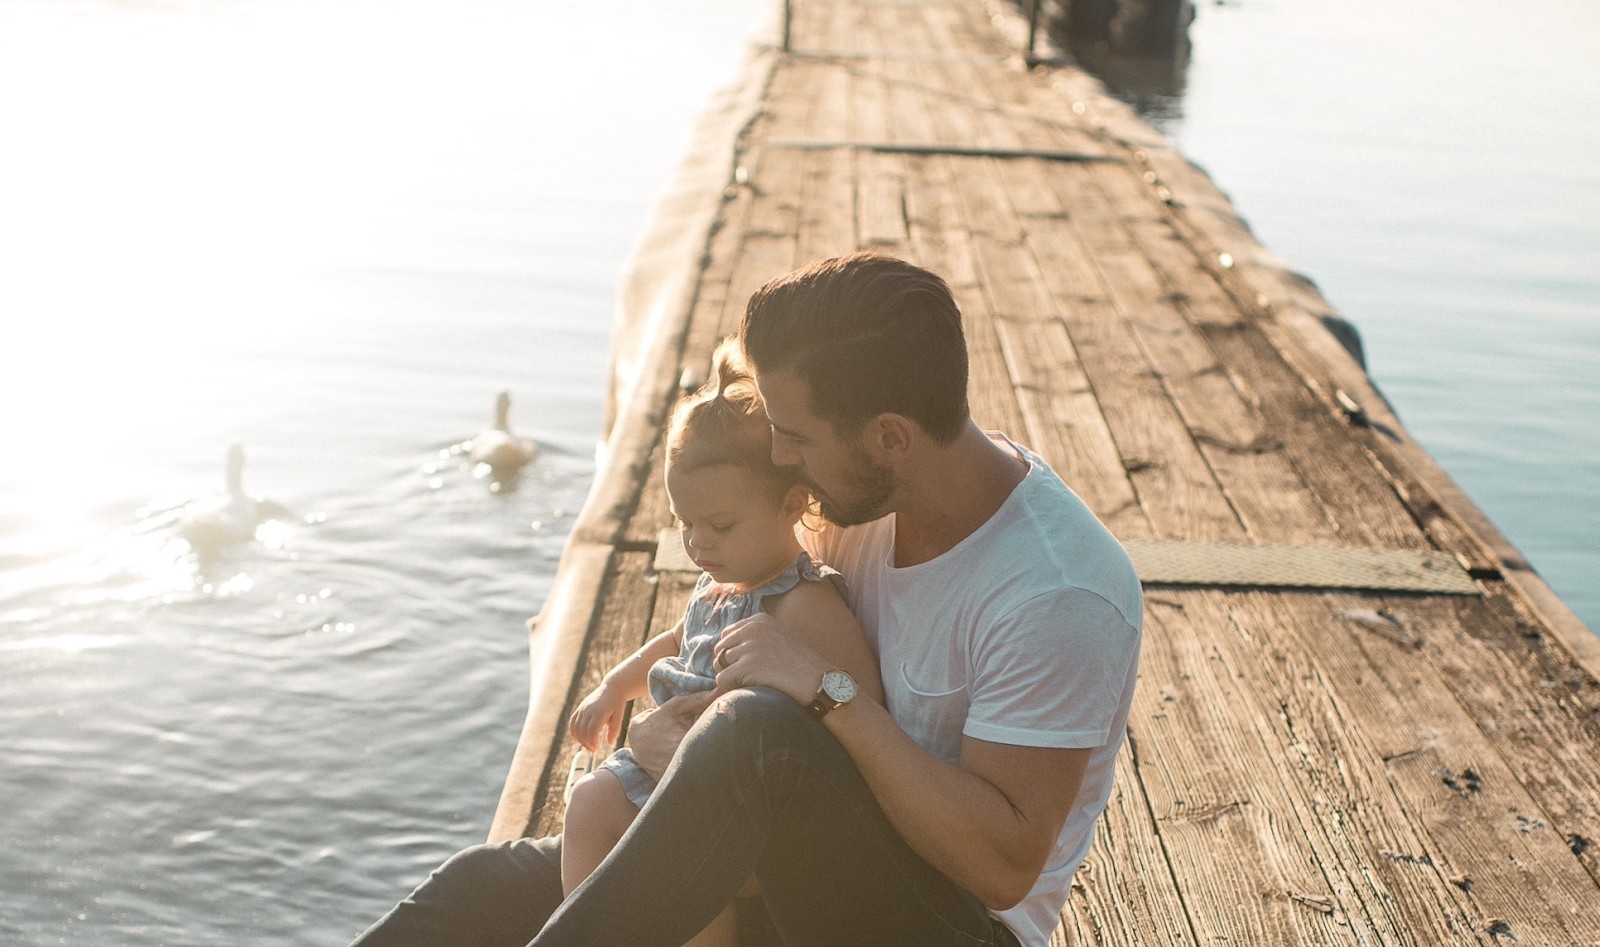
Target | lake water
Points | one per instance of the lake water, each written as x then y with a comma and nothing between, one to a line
331,231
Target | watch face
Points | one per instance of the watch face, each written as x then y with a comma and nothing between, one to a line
839,686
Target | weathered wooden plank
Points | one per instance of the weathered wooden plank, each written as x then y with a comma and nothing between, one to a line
829,116
910,121
1027,183
1059,127
790,97
1540,709
620,627
714,304
774,178
940,238
881,202
981,195
1388,747
1242,451
653,512
1292,313
770,235
1018,106
1171,478
761,257
1064,424
869,100
827,215
952,121
1231,833
1124,893
1390,865
1061,416
1267,436
964,83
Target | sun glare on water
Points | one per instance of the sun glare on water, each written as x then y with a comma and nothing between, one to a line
183,195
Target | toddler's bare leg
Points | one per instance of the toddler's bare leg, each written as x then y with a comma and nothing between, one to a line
597,815
721,932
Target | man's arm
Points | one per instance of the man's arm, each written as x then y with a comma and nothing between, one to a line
988,823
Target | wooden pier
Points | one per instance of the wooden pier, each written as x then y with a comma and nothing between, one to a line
1361,719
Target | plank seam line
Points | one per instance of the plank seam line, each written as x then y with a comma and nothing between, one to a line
1188,913
958,151
844,55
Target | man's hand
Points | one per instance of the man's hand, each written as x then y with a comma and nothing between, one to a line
757,651
655,734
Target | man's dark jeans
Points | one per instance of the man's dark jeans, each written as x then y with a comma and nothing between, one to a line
758,787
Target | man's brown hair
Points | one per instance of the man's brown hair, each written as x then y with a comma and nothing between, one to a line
867,334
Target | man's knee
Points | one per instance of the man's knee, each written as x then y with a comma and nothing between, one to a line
757,717
491,872
485,896
471,871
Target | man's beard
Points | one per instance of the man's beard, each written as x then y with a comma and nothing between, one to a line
865,495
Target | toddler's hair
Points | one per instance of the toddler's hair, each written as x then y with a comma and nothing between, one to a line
723,423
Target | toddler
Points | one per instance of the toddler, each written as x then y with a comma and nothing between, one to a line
736,513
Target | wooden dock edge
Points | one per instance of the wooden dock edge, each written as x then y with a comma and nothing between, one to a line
656,294
1298,318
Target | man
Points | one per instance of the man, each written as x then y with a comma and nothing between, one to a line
1007,626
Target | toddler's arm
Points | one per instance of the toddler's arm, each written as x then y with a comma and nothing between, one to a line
599,715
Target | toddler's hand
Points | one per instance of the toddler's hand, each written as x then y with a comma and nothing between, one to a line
599,716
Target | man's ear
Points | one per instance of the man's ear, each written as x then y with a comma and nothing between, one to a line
889,436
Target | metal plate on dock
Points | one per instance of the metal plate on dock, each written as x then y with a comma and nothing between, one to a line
1236,565
1312,567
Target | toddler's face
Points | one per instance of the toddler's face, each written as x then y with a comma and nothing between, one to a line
729,523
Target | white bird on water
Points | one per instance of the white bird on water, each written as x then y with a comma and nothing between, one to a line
498,449
229,518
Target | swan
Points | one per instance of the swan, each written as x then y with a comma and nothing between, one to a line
229,518
503,453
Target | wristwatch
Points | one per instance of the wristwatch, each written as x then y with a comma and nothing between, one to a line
838,688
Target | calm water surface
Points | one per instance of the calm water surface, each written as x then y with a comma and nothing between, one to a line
331,231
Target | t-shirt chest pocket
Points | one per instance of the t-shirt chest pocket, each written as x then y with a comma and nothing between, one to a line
930,701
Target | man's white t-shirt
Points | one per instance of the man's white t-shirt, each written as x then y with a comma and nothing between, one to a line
1026,633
